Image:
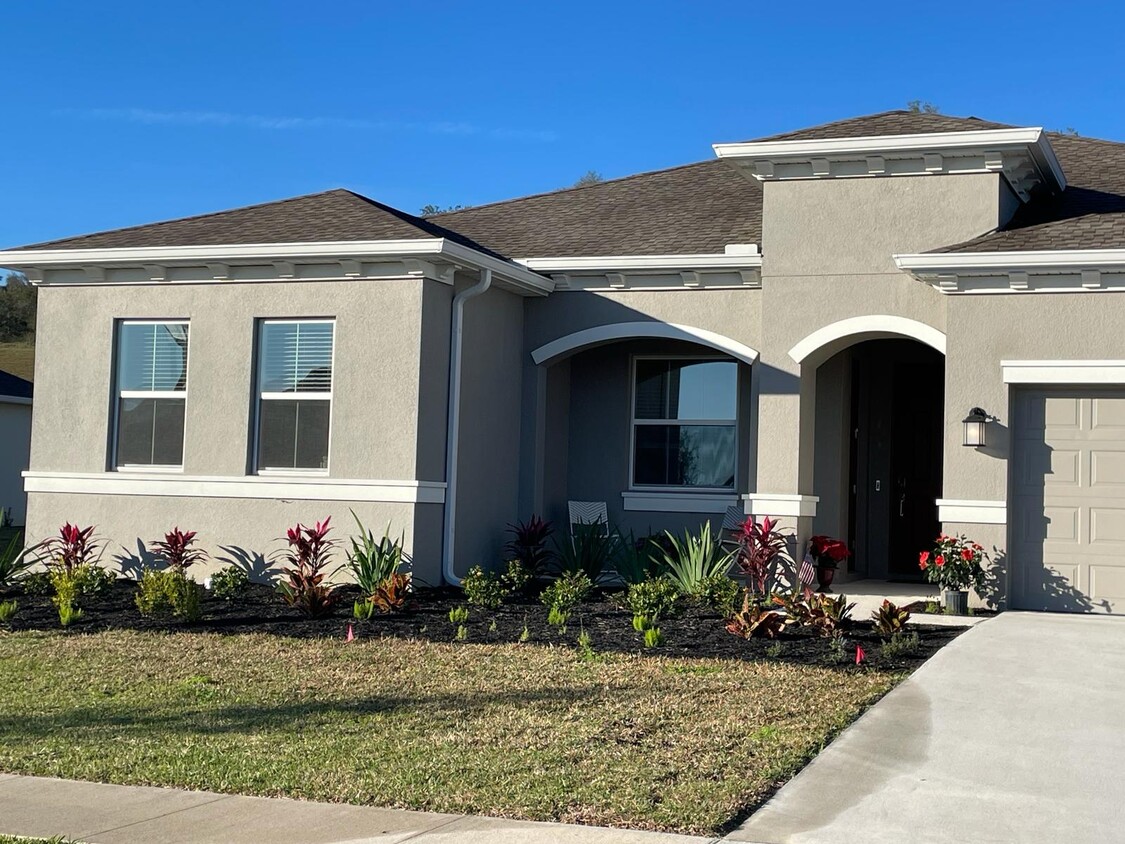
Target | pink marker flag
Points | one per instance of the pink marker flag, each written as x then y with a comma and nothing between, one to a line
860,654
351,634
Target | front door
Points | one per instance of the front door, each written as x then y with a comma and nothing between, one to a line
897,415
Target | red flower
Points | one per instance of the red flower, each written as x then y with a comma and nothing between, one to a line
966,554
923,558
939,561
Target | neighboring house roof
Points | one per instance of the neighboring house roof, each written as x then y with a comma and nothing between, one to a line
12,386
334,215
691,209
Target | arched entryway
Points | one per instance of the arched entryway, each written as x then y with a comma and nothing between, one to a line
878,440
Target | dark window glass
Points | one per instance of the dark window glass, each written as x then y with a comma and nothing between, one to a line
686,389
685,455
150,432
293,434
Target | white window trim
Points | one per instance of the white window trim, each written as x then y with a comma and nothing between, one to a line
976,512
1063,371
147,394
678,501
634,422
275,396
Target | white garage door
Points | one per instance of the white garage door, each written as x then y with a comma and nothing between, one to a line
1068,484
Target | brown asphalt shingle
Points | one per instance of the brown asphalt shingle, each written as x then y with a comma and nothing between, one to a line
695,208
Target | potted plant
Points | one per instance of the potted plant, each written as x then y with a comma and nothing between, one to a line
955,564
827,553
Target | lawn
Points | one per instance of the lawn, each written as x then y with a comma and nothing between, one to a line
516,730
18,359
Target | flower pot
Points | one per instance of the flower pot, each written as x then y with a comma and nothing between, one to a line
955,601
824,576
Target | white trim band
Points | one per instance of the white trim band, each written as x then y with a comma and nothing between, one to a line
189,486
728,260
868,327
780,504
972,512
679,502
1063,371
639,331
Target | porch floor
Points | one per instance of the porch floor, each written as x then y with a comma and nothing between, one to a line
868,594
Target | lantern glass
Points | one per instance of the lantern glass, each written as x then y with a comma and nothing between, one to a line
975,431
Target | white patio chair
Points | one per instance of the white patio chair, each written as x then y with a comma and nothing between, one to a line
588,513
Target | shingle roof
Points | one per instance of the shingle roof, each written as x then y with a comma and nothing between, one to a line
13,385
1089,214
332,215
695,208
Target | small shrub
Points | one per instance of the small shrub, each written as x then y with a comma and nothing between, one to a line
372,562
458,615
719,593
168,593
37,583
363,610
557,617
229,583
94,581
902,644
529,545
755,620
176,549
653,638
567,592
653,600
517,579
492,626
393,594
308,555
588,551
837,650
462,634
525,635
8,610
68,614
586,646
483,588
825,613
698,558
775,650
641,623
889,619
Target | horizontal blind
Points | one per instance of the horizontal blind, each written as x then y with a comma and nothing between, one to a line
296,357
152,357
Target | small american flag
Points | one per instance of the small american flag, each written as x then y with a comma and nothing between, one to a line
807,573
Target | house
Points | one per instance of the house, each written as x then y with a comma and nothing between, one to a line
797,327
15,442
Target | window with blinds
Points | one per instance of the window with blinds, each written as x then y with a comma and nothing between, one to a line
151,386
294,394
685,423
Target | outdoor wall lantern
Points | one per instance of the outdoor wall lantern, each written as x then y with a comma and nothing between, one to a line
975,428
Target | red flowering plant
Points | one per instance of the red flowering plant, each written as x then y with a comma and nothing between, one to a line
760,544
176,549
955,563
828,552
308,555
73,548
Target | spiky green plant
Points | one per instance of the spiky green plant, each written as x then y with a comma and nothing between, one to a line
690,563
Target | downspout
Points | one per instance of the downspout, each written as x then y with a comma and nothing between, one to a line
453,422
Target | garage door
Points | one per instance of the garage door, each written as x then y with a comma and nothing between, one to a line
1068,506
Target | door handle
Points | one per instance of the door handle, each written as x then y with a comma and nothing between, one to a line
902,506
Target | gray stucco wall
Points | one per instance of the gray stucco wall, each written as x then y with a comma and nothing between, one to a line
375,415
15,445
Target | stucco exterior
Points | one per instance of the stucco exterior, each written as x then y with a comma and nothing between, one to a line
15,444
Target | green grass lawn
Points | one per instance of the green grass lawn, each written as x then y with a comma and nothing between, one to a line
511,730
18,359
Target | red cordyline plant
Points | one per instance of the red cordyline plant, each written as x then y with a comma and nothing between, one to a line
759,546
72,548
956,563
529,543
308,555
176,549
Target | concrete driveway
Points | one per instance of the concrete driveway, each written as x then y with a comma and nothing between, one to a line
1014,732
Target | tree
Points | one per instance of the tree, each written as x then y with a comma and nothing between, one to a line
17,308
592,177
427,210
922,107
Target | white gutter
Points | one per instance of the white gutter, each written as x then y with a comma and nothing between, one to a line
453,422
1046,260
971,139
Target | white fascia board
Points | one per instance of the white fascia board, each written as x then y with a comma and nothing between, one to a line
1063,371
875,144
517,275
1052,260
595,263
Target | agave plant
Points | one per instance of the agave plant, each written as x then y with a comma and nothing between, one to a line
16,561
699,557
373,562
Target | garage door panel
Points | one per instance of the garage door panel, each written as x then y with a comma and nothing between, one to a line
1068,496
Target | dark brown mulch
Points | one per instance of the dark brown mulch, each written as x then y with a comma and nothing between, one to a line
698,632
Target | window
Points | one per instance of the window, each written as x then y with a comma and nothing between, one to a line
151,389
294,394
684,423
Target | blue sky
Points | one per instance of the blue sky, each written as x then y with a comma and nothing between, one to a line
121,113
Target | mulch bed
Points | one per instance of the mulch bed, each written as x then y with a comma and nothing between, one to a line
697,633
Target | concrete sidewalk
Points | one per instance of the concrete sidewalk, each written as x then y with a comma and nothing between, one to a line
1011,733
118,814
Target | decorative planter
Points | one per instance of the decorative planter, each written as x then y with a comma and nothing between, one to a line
824,576
955,601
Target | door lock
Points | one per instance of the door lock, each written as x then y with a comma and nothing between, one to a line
878,485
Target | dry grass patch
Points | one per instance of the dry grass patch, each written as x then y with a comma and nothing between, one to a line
18,359
515,731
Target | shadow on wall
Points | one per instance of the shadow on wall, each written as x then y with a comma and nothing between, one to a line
994,591
256,566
